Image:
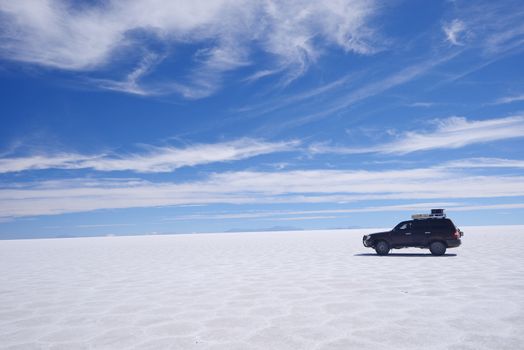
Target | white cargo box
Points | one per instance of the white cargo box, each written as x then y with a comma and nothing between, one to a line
420,216
435,214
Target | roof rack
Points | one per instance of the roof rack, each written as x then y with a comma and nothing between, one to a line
435,214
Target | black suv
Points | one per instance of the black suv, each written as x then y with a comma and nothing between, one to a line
433,231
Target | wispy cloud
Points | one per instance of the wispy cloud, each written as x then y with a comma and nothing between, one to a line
490,207
131,84
308,186
421,104
153,160
508,34
88,37
493,26
454,132
509,99
454,31
483,162
261,74
370,89
289,100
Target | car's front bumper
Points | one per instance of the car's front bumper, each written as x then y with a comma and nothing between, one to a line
366,241
453,243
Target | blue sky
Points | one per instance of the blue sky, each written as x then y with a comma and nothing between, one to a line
139,117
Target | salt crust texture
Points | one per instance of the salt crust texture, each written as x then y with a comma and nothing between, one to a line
278,290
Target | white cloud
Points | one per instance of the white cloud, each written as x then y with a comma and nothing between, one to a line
490,207
153,160
496,27
483,162
261,74
421,104
269,106
308,186
86,37
454,31
35,162
454,132
509,36
131,84
509,99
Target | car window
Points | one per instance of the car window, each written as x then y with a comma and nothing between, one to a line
449,224
442,224
446,224
404,226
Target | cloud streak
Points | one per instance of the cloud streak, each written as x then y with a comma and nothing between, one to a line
154,160
307,186
509,99
454,132
484,162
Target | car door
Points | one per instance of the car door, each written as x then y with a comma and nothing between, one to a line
402,234
421,229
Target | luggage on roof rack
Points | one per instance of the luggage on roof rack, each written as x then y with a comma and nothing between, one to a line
435,214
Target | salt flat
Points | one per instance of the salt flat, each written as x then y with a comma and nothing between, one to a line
269,290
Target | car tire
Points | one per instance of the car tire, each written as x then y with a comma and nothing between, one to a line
437,248
382,248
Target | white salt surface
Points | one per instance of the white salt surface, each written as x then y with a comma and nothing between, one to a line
285,290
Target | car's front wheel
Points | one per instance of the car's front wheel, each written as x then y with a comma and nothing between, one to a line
437,248
382,248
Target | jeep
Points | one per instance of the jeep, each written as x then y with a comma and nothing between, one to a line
433,231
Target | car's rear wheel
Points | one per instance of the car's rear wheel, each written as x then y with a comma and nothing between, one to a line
382,248
437,248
